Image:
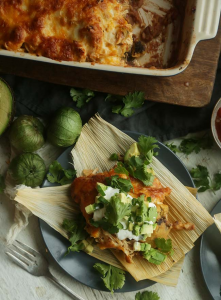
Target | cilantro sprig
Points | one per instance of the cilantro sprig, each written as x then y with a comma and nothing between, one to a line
112,277
76,232
202,179
194,144
2,184
124,185
130,101
59,174
147,295
81,96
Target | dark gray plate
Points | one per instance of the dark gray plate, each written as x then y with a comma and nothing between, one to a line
210,257
80,265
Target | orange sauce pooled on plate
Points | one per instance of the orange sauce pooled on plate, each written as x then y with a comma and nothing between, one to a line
218,123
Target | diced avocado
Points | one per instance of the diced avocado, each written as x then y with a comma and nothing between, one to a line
89,209
146,229
132,151
151,171
154,226
88,248
124,198
134,208
136,230
154,256
141,246
100,199
145,247
92,207
101,188
130,226
126,218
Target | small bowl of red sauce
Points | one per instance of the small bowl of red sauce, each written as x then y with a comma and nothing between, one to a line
216,123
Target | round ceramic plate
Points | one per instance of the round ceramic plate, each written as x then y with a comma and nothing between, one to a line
210,257
80,265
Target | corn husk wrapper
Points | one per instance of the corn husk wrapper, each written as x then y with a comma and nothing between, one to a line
97,142
217,220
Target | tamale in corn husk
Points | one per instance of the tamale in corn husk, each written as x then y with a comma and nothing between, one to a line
97,142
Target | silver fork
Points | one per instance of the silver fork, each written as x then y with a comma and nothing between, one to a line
36,264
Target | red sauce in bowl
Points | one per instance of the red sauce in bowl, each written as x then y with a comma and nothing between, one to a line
218,123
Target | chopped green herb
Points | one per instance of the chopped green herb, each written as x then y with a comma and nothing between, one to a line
124,185
114,157
173,147
76,233
200,176
60,175
81,96
147,145
130,101
216,185
112,277
194,144
2,184
120,169
202,180
190,145
147,296
116,210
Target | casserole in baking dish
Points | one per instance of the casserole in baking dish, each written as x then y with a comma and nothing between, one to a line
152,37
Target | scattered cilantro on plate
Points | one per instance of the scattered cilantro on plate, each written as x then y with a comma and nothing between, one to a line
112,277
147,296
81,96
2,184
59,174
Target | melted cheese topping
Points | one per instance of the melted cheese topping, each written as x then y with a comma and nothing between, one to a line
71,30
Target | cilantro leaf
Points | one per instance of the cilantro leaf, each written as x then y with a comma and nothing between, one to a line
112,277
114,157
147,296
103,223
120,169
173,147
116,210
146,147
216,182
60,175
81,96
76,233
130,101
143,173
163,245
124,185
2,184
190,145
116,109
200,176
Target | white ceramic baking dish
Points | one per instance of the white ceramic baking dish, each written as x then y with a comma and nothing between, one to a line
201,22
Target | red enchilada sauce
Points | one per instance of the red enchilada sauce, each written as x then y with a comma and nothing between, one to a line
218,123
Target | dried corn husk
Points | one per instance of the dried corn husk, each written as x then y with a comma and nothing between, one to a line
217,219
97,142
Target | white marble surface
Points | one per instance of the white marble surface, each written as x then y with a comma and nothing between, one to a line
16,284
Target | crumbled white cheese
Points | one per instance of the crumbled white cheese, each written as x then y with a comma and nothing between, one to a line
127,234
110,192
151,204
99,214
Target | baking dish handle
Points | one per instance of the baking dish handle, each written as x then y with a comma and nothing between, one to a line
207,17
